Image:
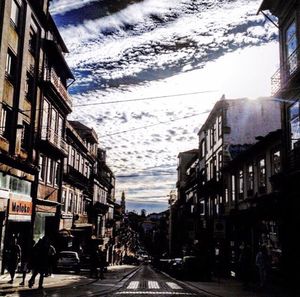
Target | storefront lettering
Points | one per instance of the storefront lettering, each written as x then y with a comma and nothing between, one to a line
20,207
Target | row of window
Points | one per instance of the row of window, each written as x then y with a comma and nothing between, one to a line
49,171
241,179
73,203
78,162
211,137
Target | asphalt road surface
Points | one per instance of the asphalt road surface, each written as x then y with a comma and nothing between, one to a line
148,282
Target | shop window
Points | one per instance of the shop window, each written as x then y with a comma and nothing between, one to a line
262,175
20,186
4,181
10,65
294,125
276,162
291,46
14,13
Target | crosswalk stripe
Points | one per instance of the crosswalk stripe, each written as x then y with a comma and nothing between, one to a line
153,285
133,285
173,286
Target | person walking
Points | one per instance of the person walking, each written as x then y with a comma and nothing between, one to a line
13,256
52,258
26,260
262,263
102,263
40,263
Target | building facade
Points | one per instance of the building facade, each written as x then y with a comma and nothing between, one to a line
285,88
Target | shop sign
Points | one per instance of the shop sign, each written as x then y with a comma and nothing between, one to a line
19,207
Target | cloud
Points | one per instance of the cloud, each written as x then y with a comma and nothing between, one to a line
63,6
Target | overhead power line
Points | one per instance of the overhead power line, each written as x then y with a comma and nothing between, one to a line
143,99
156,124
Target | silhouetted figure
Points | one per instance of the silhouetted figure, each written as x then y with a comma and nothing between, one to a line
93,263
52,258
262,264
101,263
245,265
40,263
13,255
26,260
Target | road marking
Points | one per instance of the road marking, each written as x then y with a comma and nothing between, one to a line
173,286
133,285
153,285
153,293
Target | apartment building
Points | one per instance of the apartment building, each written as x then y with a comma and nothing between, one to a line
285,88
23,26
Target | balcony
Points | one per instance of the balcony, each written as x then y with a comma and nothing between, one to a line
51,77
54,139
285,73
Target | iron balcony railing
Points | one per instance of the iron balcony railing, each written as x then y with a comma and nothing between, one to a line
52,137
283,75
53,78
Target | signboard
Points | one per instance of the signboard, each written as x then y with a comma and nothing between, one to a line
19,210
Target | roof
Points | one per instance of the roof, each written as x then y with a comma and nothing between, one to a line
84,131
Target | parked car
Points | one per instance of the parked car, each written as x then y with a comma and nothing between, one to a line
68,261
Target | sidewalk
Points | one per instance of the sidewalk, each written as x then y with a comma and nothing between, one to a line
234,288
114,273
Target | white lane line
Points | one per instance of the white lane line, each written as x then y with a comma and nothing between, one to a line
173,286
133,285
153,293
153,285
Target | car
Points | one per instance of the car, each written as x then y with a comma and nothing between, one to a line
68,261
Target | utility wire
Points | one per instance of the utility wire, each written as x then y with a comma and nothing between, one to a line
143,99
156,124
132,100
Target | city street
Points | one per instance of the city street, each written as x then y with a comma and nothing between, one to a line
148,282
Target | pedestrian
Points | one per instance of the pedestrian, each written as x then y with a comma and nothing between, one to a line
13,256
52,258
40,263
245,265
94,262
26,260
101,263
262,264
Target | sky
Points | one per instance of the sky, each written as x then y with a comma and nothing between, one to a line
169,62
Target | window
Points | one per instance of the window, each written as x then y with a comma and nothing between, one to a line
77,161
54,122
14,13
241,183
202,147
32,39
250,179
50,171
5,121
276,164
226,195
57,173
70,204
42,164
75,203
25,139
10,65
232,187
220,163
291,45
29,87
220,126
262,174
72,160
294,124
64,200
